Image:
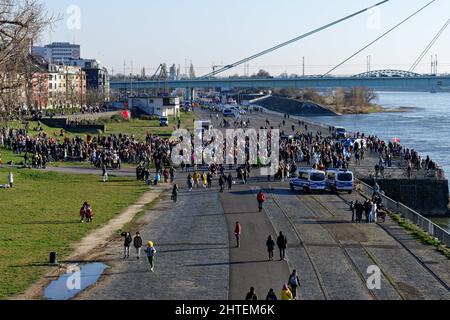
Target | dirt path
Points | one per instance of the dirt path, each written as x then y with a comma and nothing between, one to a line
88,248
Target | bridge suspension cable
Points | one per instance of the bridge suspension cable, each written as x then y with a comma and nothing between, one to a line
430,45
233,65
379,38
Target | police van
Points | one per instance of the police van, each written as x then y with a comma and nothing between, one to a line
309,180
340,180
228,113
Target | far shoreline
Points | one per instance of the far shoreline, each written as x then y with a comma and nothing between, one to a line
376,110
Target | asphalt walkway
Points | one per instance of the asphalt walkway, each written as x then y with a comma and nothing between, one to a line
249,264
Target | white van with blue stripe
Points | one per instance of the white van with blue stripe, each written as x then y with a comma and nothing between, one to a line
340,180
309,180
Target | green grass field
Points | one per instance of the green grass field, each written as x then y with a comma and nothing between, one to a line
140,127
8,155
41,214
135,126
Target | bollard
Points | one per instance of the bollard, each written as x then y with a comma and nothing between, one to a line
53,258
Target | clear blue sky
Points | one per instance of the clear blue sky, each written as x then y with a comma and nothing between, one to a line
149,32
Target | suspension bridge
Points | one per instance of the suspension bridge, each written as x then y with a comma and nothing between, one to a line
380,80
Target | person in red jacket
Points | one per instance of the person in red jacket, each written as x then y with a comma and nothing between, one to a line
237,233
261,199
86,213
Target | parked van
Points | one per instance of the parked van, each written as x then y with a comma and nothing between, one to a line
341,132
163,122
340,180
309,180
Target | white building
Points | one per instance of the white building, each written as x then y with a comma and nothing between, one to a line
58,52
159,106
66,87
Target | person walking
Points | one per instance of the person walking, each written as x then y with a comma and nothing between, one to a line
286,294
126,244
138,245
261,199
359,208
271,296
166,175
367,209
237,233
151,252
210,180
270,244
353,210
221,184
11,179
371,204
230,181
282,245
251,296
104,173
196,178
374,213
205,180
175,193
190,182
294,283
172,174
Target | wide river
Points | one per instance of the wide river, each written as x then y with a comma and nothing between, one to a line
425,129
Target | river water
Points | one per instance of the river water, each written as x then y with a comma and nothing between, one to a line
426,128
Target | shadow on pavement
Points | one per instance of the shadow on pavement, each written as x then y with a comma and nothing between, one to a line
251,192
187,250
227,263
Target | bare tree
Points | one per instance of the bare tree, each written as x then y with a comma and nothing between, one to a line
21,23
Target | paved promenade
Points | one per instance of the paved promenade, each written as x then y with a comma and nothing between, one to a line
197,258
192,260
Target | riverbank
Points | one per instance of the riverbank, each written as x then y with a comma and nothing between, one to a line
426,191
307,108
375,108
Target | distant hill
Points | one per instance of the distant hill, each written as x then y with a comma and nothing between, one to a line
294,107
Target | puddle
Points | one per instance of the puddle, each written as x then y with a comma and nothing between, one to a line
77,279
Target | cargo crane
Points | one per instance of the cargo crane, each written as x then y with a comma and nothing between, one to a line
161,73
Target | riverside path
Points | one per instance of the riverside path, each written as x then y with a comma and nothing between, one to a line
197,258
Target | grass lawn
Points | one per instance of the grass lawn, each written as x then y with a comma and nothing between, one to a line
8,155
136,126
41,214
140,127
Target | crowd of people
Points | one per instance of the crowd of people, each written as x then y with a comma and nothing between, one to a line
111,150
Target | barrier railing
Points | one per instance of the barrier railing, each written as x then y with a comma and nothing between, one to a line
396,207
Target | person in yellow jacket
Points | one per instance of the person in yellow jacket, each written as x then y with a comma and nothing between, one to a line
205,180
196,178
151,252
286,293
